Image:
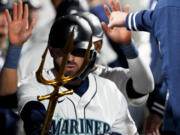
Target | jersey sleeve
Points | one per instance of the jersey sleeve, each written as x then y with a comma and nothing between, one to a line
28,90
157,100
140,21
26,93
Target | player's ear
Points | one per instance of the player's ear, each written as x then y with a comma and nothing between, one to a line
98,45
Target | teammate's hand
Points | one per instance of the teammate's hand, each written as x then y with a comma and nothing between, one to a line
117,34
117,17
19,29
152,124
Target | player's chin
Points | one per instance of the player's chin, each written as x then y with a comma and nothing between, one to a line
69,72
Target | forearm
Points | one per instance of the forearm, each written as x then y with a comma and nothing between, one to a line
142,79
141,75
140,21
8,75
157,100
8,81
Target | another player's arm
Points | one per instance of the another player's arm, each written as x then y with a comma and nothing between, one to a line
139,21
18,32
141,82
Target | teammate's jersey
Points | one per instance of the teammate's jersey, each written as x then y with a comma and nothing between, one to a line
102,108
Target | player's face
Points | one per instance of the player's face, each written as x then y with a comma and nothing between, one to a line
75,60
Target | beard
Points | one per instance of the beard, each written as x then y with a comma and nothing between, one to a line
68,73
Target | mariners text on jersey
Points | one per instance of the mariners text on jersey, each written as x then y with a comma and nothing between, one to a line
80,126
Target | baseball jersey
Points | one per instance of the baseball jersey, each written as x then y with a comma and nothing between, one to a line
101,109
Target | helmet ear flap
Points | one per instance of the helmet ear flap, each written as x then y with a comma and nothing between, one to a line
92,58
90,66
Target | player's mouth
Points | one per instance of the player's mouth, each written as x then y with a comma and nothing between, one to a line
70,67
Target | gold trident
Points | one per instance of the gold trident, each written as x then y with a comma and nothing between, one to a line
59,81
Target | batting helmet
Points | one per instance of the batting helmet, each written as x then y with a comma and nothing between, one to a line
70,7
94,23
61,30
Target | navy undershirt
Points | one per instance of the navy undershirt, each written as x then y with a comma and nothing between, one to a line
80,90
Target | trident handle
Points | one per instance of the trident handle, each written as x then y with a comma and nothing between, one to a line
51,107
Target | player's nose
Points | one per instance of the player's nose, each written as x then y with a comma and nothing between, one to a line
71,57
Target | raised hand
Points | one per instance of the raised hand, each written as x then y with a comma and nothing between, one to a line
19,29
117,17
117,34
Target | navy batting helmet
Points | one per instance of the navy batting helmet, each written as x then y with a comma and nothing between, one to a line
70,7
94,23
61,30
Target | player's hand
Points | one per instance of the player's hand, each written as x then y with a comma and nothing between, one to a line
118,34
19,29
152,124
117,17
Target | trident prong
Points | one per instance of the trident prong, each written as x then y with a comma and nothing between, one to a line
60,80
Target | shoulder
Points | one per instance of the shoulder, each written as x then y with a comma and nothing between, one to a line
106,86
102,80
29,88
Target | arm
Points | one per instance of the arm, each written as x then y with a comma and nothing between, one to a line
18,32
8,75
152,124
156,106
141,21
142,80
141,75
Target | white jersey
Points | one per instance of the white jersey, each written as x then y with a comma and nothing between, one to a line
102,108
120,77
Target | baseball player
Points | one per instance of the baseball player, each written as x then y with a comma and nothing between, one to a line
96,107
8,75
162,22
16,41
138,94
143,84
